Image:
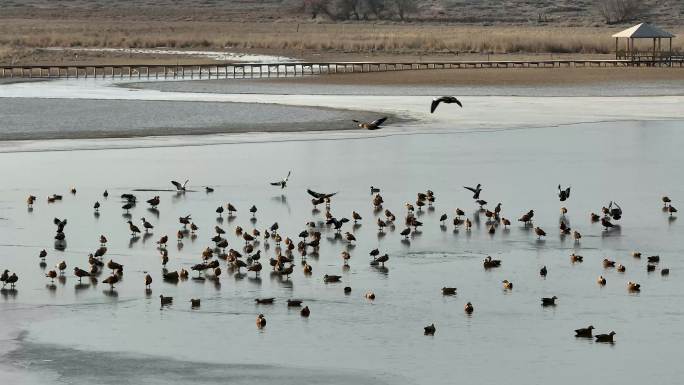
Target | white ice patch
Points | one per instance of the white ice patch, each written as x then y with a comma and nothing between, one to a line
214,55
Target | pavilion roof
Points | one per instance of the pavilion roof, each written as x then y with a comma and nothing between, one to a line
644,31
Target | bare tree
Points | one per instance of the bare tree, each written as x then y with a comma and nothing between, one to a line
404,7
316,7
619,11
376,7
347,9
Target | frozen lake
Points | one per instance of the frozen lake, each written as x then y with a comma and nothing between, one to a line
520,149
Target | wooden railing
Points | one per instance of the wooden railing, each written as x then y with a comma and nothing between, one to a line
294,69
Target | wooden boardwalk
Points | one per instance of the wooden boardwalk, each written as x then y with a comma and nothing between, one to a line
292,69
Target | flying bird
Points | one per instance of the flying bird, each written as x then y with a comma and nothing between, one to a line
374,125
282,183
443,99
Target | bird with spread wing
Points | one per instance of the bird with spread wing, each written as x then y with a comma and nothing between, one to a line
318,195
443,99
476,190
180,187
282,183
563,194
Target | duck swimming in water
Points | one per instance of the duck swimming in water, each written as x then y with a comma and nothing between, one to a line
429,330
584,332
605,337
165,300
448,291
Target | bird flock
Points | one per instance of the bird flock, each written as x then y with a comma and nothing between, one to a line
218,256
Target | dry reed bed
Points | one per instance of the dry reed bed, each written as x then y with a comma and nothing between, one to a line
292,37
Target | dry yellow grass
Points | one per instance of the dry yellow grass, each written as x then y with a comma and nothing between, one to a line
293,37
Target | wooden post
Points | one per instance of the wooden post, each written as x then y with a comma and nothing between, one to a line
627,48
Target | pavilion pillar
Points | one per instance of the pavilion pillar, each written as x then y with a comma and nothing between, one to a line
627,49
660,50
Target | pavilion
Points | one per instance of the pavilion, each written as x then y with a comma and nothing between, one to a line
643,31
